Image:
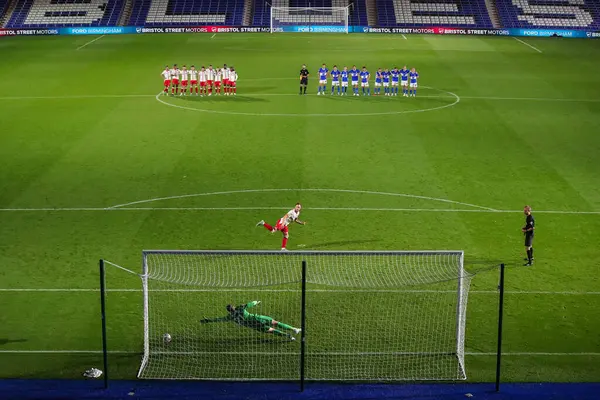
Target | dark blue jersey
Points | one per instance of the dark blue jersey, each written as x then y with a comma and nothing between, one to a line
323,74
404,74
386,76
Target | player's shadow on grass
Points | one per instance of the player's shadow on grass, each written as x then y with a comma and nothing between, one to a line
372,99
4,341
223,99
340,243
476,266
392,99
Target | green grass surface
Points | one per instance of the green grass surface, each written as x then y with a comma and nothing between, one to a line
81,130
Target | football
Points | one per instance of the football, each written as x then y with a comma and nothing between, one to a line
167,338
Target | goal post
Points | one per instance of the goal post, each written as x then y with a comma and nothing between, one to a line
309,19
369,316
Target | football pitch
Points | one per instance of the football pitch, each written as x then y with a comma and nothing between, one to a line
95,164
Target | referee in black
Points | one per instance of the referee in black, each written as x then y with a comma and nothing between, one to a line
303,79
528,230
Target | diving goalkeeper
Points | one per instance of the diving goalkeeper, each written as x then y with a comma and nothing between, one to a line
261,323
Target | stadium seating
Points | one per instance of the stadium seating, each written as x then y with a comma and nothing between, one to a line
57,13
3,5
411,13
558,14
358,13
187,12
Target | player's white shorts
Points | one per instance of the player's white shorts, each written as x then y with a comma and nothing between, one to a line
377,84
335,83
394,83
404,83
364,84
413,84
323,82
386,84
354,83
344,83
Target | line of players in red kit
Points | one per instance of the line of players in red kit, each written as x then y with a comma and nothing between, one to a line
201,82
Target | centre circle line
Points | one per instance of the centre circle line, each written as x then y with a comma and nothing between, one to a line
451,95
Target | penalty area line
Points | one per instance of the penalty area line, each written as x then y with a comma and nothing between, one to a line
245,290
527,44
357,209
358,354
90,42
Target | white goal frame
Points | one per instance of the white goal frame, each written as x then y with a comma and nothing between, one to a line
460,277
308,19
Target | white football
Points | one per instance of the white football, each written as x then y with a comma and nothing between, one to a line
167,338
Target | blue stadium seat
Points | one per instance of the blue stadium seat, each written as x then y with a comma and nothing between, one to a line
59,13
555,14
3,5
187,12
459,14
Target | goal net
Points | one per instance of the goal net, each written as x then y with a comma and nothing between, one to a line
309,19
369,316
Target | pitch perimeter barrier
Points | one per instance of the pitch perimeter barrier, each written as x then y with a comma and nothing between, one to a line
118,30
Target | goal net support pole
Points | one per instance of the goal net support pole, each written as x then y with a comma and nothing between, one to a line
309,19
367,316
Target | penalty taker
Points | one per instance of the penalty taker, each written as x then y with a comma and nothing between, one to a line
261,323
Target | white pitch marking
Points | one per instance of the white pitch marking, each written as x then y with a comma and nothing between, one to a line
75,97
527,44
442,210
112,96
456,97
547,354
90,42
225,289
530,99
305,190
518,353
214,34
404,37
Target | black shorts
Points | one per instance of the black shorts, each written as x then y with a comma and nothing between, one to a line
304,81
528,240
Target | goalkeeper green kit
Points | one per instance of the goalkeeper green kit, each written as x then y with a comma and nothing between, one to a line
263,323
241,316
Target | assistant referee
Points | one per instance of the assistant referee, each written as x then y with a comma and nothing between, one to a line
303,79
528,230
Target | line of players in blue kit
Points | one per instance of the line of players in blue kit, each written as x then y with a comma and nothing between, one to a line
390,80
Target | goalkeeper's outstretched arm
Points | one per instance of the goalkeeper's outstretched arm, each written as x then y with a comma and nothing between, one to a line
239,311
253,303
